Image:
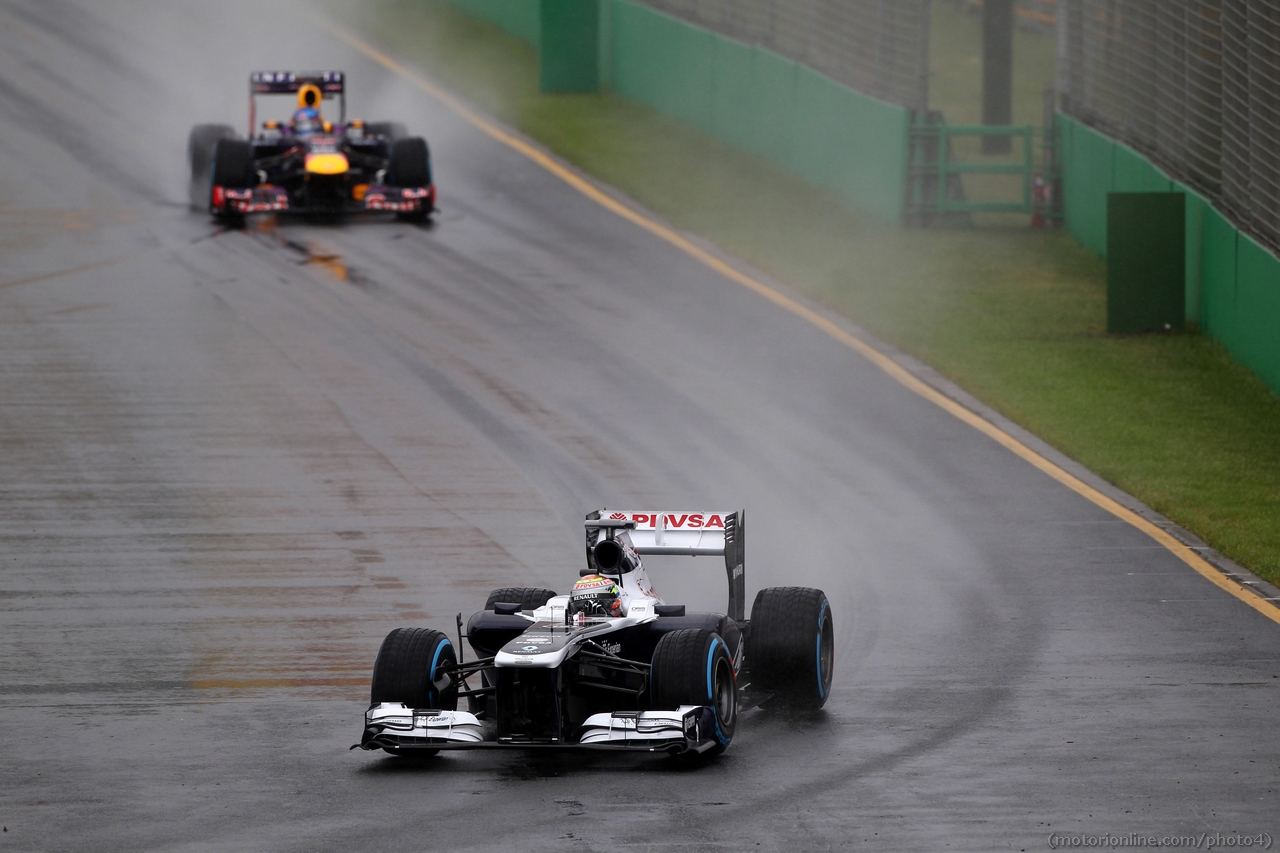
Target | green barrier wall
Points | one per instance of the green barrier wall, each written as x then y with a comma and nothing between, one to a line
753,99
756,100
515,17
857,147
568,46
1146,264
773,83
1232,283
670,68
1256,338
1218,289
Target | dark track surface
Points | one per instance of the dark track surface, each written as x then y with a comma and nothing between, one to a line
231,462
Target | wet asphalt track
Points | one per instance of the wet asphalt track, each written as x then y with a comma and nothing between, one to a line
231,462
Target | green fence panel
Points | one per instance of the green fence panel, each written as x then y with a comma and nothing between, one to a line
568,49
604,43
637,35
733,104
849,134
869,149
1232,283
1146,257
692,79
1258,309
663,62
773,80
883,148
1197,208
1132,173
1218,278
752,98
1086,179
813,144
515,17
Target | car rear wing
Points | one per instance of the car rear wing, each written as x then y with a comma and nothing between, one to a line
332,84
689,534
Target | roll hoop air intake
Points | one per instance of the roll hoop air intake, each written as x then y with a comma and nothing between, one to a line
611,558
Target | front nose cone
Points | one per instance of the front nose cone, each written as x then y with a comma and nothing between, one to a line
326,164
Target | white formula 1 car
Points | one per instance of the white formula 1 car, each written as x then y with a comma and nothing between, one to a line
609,665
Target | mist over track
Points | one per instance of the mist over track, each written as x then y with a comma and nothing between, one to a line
232,461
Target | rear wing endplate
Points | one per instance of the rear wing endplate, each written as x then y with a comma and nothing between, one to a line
687,534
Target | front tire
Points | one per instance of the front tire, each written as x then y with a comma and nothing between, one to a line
791,648
412,668
410,163
410,166
232,169
691,666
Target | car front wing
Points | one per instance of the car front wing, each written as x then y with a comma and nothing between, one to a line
687,729
275,199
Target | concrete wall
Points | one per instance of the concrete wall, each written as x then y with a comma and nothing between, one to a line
753,99
1232,282
857,147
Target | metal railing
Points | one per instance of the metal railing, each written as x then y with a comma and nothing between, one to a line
936,192
937,138
1192,84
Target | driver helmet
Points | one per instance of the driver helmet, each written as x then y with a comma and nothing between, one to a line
596,596
307,118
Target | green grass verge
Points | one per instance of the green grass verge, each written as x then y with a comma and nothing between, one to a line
1015,316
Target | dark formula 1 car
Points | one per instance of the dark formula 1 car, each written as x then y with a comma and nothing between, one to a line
309,164
610,665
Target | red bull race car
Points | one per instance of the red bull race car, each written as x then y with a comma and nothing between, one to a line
309,164
610,665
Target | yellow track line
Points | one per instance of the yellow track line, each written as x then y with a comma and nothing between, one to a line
879,359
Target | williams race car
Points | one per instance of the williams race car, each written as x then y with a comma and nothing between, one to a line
308,164
608,666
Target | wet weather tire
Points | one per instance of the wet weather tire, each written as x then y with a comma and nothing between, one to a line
232,169
410,164
691,666
411,669
527,598
233,164
791,648
200,145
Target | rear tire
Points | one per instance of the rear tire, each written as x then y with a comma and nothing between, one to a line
791,648
232,169
411,668
233,164
528,598
200,145
692,666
